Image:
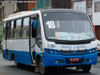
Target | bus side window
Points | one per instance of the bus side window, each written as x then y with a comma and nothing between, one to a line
18,29
8,30
12,30
4,30
25,28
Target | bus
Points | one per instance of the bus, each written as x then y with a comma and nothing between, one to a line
50,38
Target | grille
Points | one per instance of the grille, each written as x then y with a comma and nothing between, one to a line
83,51
66,52
71,52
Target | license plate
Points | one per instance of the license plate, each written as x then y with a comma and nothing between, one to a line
74,60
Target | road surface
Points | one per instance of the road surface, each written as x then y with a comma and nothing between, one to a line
7,68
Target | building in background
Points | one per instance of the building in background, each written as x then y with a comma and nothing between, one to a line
12,7
22,6
8,8
67,4
52,4
0,12
31,6
96,17
1,17
85,7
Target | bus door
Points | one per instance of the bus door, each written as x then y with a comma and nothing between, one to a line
6,37
35,36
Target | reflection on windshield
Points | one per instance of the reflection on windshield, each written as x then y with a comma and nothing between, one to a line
67,26
71,36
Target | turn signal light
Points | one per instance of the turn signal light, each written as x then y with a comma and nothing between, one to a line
46,50
96,49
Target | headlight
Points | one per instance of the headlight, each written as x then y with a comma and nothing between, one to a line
93,50
90,51
51,51
56,52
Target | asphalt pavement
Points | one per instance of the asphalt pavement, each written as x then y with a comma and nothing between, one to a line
7,68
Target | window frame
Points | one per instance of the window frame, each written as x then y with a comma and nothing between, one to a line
7,31
12,29
4,30
30,28
95,7
15,25
25,28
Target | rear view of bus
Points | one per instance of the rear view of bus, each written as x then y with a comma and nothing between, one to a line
69,38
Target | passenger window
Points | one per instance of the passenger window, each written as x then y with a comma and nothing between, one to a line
8,30
25,28
18,29
4,30
12,29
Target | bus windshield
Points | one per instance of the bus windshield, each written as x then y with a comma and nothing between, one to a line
67,26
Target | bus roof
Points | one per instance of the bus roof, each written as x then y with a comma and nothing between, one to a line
61,10
27,13
20,14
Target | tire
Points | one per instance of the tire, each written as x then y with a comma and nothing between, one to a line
86,68
17,65
39,67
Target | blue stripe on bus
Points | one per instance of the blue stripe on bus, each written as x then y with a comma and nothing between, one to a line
20,56
50,59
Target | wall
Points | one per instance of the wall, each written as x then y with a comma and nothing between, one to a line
22,6
31,5
96,13
8,9
96,17
61,4
97,31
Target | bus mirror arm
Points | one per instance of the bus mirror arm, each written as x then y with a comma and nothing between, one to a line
39,42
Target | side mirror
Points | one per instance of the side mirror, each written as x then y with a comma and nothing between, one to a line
34,24
34,27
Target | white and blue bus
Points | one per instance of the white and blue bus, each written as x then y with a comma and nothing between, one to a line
50,38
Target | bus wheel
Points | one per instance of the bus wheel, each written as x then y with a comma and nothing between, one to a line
86,68
42,69
16,64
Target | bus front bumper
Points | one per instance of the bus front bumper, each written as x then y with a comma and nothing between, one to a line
62,60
